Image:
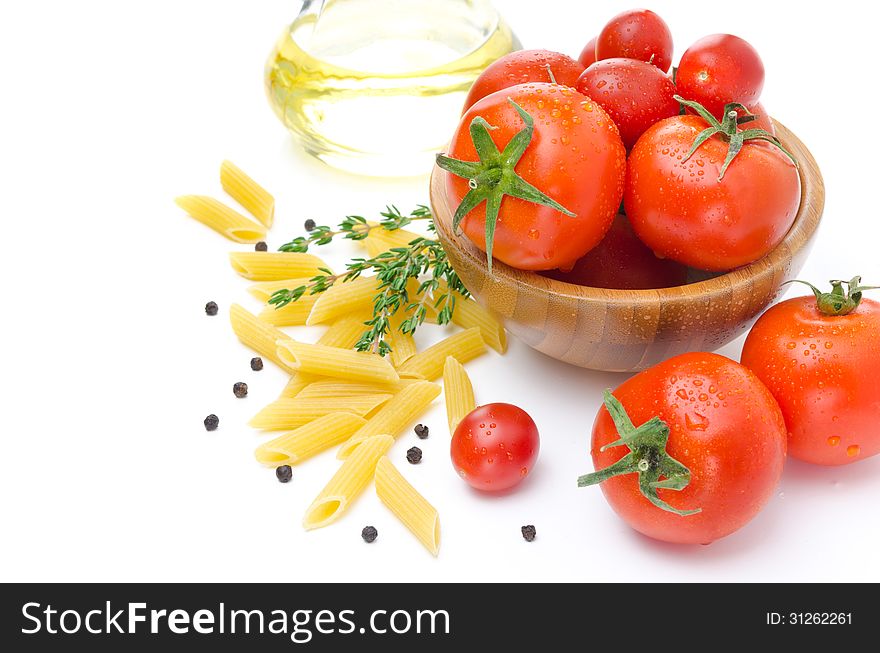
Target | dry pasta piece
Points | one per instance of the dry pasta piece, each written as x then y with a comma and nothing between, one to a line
344,297
410,507
297,383
269,266
403,345
309,440
283,414
459,392
263,290
221,218
381,240
428,364
394,416
468,314
347,483
244,190
293,314
258,335
341,388
336,362
345,331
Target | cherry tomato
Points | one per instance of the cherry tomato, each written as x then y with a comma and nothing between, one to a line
637,34
720,69
634,93
520,67
588,54
495,447
726,441
824,370
622,261
575,157
682,211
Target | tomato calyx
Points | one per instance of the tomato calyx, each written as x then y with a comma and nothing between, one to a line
728,130
647,458
838,301
494,175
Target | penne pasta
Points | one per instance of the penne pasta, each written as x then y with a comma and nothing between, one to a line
340,388
458,391
293,314
345,331
428,364
258,335
344,297
410,507
336,362
468,314
263,290
269,266
403,345
247,192
221,218
297,383
309,440
394,416
347,483
381,240
283,414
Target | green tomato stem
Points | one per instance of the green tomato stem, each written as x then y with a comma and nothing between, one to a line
838,301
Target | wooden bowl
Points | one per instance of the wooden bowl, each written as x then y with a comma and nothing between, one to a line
629,330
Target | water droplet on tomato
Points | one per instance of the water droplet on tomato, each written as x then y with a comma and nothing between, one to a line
697,422
523,471
791,345
484,451
682,394
833,441
534,234
853,450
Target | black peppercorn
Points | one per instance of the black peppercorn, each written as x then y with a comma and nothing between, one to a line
369,534
256,364
310,224
240,389
212,422
211,308
284,473
528,533
421,431
414,455
261,246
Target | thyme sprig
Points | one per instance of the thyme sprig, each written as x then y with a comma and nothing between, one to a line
356,227
415,279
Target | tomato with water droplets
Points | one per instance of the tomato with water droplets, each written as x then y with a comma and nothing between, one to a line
720,69
575,157
683,209
636,34
521,67
495,447
622,261
824,370
708,446
634,93
588,54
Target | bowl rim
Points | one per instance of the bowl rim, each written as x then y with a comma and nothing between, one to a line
803,228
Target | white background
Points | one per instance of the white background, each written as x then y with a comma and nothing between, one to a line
109,364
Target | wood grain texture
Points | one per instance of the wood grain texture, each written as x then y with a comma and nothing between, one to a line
629,330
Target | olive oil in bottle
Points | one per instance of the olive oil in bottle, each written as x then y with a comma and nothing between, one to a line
376,87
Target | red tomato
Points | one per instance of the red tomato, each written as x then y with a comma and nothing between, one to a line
824,371
588,54
622,261
634,93
720,69
521,67
575,157
682,211
636,34
495,447
723,426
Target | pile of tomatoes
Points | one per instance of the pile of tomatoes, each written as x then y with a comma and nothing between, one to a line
617,125
691,449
